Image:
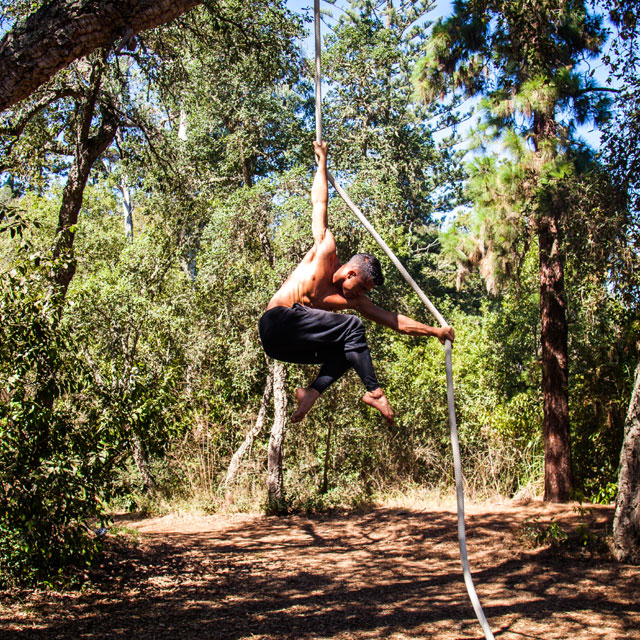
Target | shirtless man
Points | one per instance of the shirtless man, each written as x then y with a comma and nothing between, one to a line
299,326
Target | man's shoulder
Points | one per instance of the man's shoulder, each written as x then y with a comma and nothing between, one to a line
327,246
323,260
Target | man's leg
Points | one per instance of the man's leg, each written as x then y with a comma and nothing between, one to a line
305,336
334,366
374,397
336,362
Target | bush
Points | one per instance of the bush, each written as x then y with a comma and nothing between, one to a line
54,453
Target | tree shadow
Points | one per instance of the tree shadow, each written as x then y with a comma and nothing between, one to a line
372,575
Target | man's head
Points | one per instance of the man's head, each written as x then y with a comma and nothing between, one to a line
363,272
369,266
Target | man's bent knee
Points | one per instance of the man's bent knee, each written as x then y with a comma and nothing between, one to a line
356,339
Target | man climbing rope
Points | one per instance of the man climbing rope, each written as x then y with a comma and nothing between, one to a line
299,326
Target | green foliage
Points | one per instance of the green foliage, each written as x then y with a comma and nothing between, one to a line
620,140
140,388
538,535
531,105
53,461
378,135
584,537
522,62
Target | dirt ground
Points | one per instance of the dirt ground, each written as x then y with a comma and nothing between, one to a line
387,573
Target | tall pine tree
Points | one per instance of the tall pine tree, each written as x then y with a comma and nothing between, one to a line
523,59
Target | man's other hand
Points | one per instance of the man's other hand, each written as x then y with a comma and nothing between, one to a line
320,149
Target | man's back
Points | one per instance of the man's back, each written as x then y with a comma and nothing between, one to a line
311,281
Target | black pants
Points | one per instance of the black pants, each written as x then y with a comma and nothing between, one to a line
312,336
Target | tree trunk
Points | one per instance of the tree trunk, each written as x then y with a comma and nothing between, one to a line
182,126
142,463
626,523
275,482
127,209
234,465
86,151
125,191
558,473
60,32
327,456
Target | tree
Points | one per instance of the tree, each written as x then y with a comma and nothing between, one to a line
621,151
379,136
58,33
380,141
622,132
116,367
275,477
254,431
57,450
626,523
88,142
523,60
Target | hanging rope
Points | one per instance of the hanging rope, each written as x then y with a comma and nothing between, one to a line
455,445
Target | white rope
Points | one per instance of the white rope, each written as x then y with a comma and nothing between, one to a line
318,41
455,444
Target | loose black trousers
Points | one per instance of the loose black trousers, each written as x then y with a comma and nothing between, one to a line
313,336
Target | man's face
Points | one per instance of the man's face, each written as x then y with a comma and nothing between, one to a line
355,284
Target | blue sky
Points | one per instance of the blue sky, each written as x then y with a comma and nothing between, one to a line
441,8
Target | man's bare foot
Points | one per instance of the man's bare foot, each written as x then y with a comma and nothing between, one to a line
378,400
306,399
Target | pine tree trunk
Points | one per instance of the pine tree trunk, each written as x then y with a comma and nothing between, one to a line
626,524
275,482
558,473
234,465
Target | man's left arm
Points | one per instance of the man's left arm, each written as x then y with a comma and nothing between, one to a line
398,322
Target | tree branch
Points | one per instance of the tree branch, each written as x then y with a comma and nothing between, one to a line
17,127
60,32
582,92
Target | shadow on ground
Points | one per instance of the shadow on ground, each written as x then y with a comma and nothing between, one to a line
389,573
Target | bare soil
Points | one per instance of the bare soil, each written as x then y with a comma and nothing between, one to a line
387,573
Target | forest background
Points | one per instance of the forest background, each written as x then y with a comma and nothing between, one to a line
155,193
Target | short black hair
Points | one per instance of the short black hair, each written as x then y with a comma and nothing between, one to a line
369,266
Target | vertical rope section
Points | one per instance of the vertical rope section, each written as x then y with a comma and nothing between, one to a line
316,24
455,444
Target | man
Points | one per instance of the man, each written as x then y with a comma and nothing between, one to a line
299,324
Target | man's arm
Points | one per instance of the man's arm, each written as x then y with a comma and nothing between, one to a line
320,195
398,322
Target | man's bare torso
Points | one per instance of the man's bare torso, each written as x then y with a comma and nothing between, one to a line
311,283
